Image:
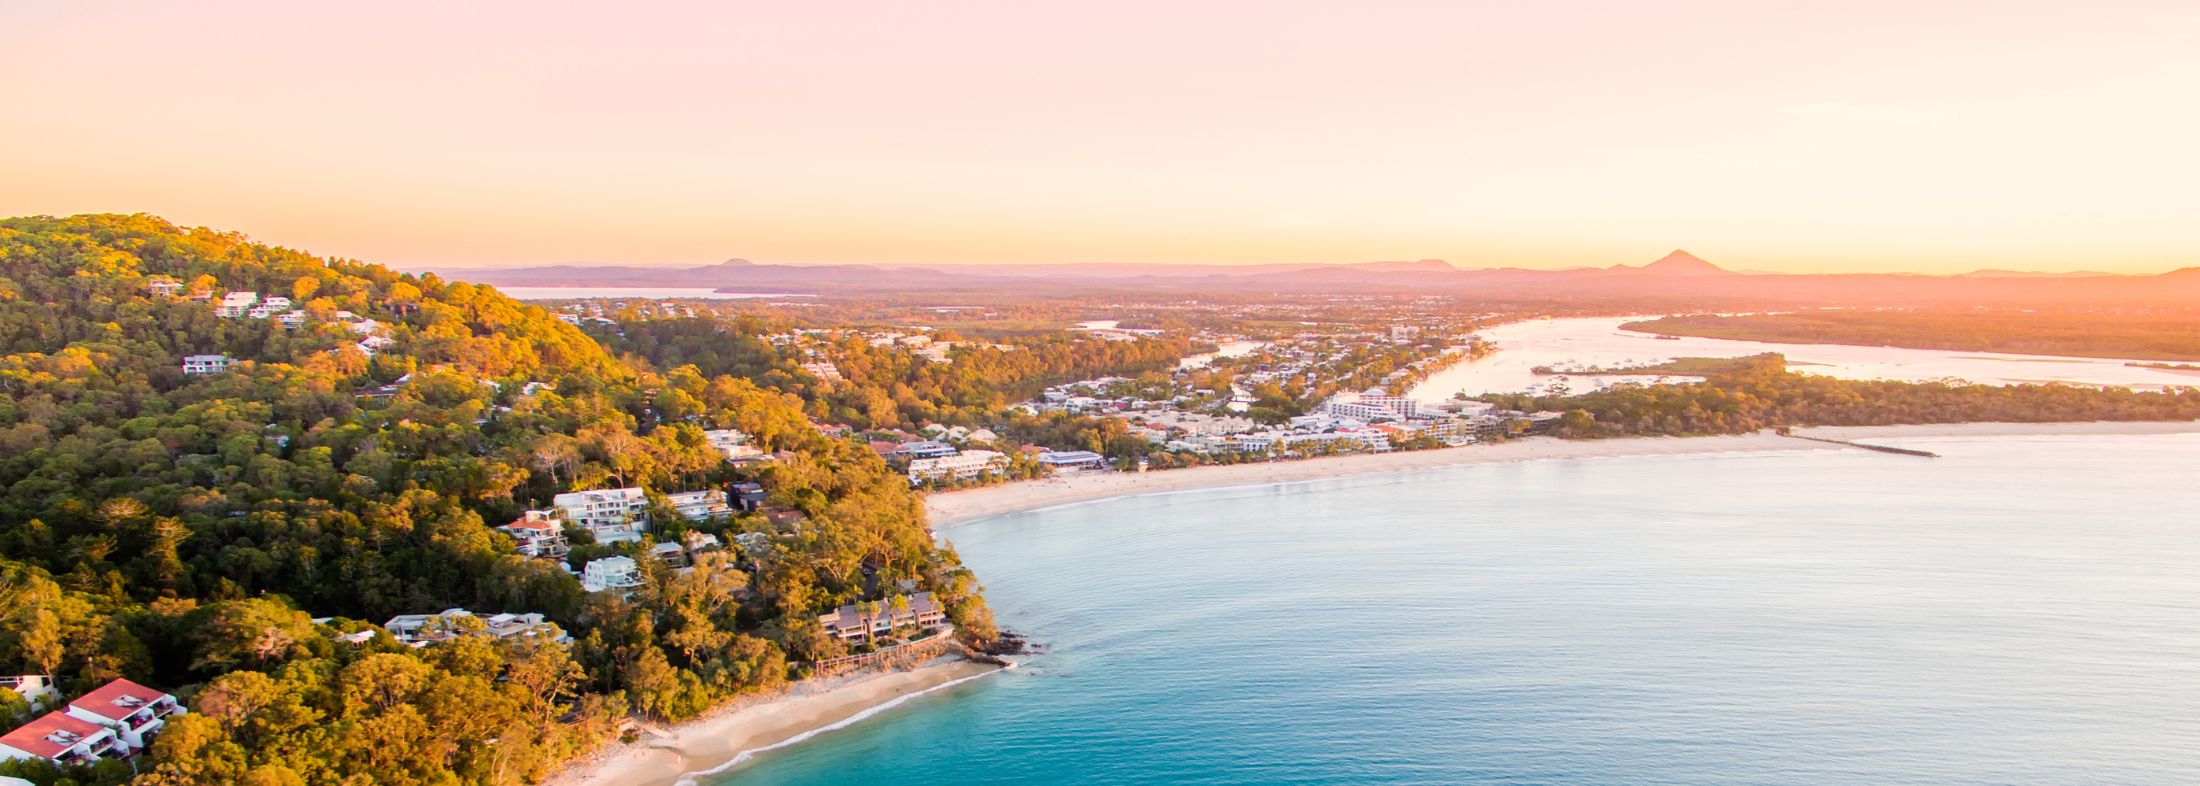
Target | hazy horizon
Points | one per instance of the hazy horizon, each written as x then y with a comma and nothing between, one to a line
1867,137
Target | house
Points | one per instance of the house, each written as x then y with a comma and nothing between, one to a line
825,371
163,286
420,630
236,304
614,515
372,344
269,307
699,542
611,573
854,623
1063,460
967,465
291,320
748,496
705,505
62,739
734,444
205,364
34,688
670,553
133,711
539,534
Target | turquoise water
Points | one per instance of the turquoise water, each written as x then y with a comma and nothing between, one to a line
2020,611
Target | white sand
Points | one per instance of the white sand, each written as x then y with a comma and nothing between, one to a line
724,739
966,505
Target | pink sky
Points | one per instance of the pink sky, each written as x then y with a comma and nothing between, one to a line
1935,137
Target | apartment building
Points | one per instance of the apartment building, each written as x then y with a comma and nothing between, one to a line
854,623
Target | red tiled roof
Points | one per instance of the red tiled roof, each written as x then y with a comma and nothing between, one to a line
539,526
31,738
112,700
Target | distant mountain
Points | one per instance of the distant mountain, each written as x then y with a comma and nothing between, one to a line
1677,278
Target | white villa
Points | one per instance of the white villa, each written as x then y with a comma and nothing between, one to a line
706,505
236,304
615,515
539,534
34,688
420,630
733,443
611,573
205,364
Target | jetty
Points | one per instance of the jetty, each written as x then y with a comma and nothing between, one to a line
1866,446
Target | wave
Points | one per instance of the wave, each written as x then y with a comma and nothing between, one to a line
693,778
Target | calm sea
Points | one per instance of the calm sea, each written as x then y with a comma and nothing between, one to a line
2021,611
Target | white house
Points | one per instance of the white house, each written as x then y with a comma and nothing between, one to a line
236,304
34,688
734,444
615,515
539,534
163,285
420,630
133,711
966,465
59,738
292,319
269,307
611,573
205,364
706,505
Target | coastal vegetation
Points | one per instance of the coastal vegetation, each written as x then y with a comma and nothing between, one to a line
2149,334
1764,394
186,531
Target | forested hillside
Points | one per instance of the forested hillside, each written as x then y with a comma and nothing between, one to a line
182,530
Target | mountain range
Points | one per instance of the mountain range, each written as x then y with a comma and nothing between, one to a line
1678,276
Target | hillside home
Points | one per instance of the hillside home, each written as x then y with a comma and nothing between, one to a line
56,737
853,624
611,573
705,505
163,287
205,364
614,515
34,688
236,304
133,711
539,534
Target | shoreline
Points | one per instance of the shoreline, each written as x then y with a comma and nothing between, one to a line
953,508
732,735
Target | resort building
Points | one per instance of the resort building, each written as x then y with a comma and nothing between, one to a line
236,304
1371,406
1071,460
611,573
706,505
56,737
539,534
133,711
205,364
614,515
854,623
964,466
927,449
420,630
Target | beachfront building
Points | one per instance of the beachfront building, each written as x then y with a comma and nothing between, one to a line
34,688
614,515
705,505
61,739
539,534
236,304
611,573
420,630
205,364
1072,460
963,466
868,622
927,449
133,711
1371,406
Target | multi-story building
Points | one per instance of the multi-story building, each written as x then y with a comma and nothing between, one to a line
1062,460
927,449
292,319
236,304
705,505
539,534
964,466
205,364
855,623
420,630
734,444
1371,406
614,515
56,737
133,711
268,307
611,573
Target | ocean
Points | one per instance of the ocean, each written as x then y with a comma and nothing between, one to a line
2021,610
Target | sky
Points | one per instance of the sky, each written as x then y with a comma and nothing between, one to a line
1800,137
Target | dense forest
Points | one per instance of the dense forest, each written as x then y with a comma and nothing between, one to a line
2156,334
183,531
1764,394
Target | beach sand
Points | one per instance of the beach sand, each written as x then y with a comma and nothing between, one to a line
720,740
967,505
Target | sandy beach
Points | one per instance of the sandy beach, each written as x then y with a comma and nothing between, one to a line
966,505
729,736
